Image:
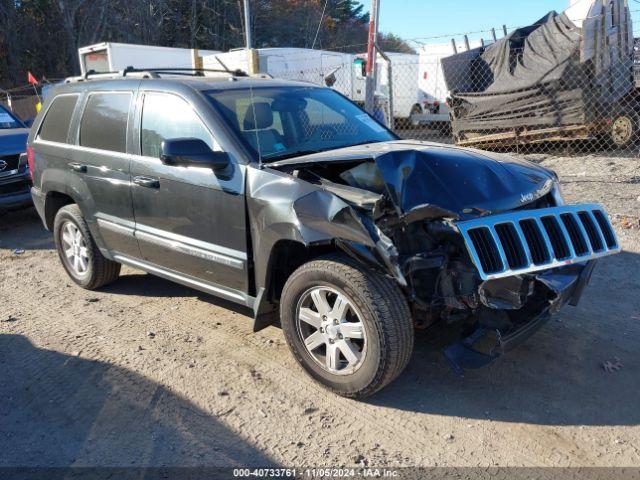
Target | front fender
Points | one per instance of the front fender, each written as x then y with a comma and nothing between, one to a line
282,207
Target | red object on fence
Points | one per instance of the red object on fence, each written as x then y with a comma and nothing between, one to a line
31,79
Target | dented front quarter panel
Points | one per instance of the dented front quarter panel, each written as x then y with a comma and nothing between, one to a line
422,181
282,207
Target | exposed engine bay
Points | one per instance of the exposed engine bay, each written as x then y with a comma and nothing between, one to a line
457,233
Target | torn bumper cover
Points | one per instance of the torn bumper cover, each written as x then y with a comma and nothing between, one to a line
492,338
531,263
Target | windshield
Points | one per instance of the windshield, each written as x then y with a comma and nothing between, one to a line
7,120
281,122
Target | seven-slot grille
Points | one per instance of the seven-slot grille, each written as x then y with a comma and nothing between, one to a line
529,240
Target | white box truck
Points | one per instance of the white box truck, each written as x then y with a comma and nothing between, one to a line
407,97
344,72
304,64
110,57
431,82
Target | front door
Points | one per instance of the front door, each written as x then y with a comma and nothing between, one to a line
189,220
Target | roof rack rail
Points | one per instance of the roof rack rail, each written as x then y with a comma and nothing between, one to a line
152,73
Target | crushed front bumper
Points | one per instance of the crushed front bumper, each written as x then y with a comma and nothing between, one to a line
484,345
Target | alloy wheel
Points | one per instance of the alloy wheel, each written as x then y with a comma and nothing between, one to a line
75,249
331,329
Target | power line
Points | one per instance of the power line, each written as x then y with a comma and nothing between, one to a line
510,27
319,23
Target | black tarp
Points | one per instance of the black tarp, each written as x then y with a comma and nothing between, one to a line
533,77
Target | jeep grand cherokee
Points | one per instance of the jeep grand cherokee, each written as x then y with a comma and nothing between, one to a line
287,198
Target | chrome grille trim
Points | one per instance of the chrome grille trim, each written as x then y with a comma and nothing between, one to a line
515,217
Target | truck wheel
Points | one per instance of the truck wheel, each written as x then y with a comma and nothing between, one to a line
415,110
78,252
624,130
348,327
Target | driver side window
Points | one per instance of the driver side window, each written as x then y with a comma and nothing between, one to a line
166,116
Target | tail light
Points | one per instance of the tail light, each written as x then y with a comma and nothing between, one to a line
30,160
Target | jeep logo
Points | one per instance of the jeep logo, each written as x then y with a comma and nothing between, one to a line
527,197
3,165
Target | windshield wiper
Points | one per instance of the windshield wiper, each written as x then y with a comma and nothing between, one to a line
297,153
363,143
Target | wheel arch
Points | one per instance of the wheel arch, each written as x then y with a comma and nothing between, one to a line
286,256
53,202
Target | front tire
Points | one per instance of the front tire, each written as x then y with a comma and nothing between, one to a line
348,327
78,252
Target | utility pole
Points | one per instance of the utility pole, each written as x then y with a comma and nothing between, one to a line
252,58
372,55
247,25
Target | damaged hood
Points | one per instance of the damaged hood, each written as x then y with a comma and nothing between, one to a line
445,179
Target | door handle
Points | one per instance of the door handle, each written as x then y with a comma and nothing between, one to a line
78,167
148,182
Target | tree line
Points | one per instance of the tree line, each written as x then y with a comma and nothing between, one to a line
43,36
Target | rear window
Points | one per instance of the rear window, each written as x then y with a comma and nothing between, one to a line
104,121
55,127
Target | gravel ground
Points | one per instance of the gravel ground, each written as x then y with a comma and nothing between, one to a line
146,372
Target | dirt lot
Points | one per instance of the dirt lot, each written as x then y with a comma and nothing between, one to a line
146,372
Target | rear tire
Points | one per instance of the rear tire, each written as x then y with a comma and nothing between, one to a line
78,252
373,336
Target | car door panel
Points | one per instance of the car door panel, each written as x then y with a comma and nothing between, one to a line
191,220
106,171
108,180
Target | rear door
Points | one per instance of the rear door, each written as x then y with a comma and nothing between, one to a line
188,220
100,157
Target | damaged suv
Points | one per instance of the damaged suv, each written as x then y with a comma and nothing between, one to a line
288,199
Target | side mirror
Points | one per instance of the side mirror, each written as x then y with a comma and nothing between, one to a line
192,152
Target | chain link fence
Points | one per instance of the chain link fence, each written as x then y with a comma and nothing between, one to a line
560,86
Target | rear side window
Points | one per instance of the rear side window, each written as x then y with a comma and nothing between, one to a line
104,121
55,127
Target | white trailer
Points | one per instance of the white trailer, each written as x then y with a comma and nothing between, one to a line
320,67
343,72
110,57
407,97
431,78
